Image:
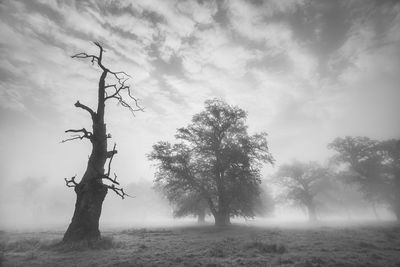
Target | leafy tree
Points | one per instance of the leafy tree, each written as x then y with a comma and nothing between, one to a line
185,203
91,190
389,150
373,165
300,183
216,159
265,205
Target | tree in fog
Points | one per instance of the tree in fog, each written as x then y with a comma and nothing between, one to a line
184,203
216,159
373,165
389,151
300,183
266,204
93,187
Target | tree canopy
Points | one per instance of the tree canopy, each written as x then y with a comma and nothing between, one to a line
301,182
373,165
217,159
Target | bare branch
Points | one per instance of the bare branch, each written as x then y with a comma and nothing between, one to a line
93,58
114,181
119,191
84,55
119,87
72,138
82,106
86,134
113,152
121,78
71,182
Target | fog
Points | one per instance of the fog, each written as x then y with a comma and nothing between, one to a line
35,204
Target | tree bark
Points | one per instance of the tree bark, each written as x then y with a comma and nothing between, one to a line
85,221
201,217
222,218
91,191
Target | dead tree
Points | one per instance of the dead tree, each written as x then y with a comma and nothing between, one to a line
93,187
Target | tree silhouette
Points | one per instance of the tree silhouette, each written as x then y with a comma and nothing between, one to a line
93,187
301,182
373,165
216,159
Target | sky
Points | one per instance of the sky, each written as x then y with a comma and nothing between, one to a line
305,71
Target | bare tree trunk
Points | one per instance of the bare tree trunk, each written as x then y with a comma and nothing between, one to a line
90,192
201,217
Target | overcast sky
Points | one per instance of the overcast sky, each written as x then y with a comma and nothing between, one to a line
305,71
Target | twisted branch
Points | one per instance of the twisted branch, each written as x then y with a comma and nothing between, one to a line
119,191
71,182
86,134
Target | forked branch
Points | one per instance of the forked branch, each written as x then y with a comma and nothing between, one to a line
119,88
85,134
71,182
119,191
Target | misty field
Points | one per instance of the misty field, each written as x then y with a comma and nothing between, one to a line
236,245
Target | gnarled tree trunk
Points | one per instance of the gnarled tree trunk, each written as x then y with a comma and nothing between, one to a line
91,191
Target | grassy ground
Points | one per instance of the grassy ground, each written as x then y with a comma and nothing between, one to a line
237,245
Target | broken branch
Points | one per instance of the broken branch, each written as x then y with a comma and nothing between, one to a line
86,134
119,191
71,182
82,106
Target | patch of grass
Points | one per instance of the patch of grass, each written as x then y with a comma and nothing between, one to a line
22,245
217,251
31,256
264,247
223,248
104,243
144,231
363,244
142,246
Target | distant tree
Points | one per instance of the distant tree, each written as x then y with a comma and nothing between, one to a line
91,190
265,204
389,150
373,165
300,183
216,159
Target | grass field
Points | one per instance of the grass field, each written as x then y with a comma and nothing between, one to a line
237,245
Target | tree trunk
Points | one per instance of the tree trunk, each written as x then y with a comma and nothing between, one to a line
201,217
222,219
375,211
396,210
312,216
85,221
91,191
